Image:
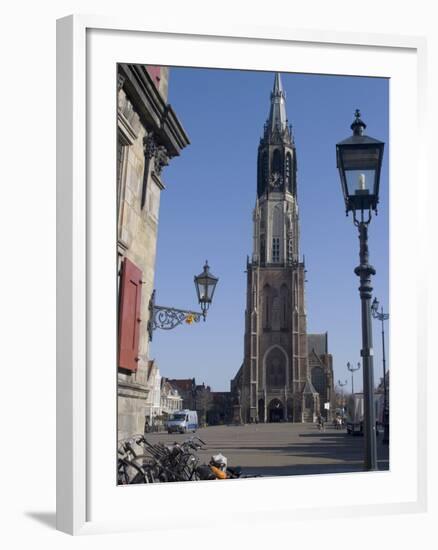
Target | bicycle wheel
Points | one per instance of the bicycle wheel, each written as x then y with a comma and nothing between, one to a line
141,469
127,471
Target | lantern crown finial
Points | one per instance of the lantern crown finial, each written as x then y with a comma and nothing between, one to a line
358,125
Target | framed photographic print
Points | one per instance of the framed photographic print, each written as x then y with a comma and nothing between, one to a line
226,333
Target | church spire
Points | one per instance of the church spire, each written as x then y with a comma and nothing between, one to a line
276,161
277,115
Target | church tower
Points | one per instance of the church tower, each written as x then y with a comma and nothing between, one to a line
274,378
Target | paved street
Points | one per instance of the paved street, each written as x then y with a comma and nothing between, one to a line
284,449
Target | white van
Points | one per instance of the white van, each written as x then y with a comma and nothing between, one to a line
355,413
183,421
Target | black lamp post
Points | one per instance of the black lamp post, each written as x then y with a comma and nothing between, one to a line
342,384
168,318
383,317
359,160
352,370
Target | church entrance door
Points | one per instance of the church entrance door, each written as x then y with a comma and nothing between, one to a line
275,411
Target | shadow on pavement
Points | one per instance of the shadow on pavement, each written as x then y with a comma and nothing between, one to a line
309,469
321,451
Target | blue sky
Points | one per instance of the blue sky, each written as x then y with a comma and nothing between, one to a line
206,213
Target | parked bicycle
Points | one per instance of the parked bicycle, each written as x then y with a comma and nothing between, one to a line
158,462
140,461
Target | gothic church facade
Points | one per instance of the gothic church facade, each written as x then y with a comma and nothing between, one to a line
275,380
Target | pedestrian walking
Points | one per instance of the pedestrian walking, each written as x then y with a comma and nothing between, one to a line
320,421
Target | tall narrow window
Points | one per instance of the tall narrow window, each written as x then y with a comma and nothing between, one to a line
266,307
289,172
275,250
276,161
277,233
262,250
290,250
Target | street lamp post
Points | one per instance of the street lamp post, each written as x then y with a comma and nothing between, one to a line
168,318
352,370
342,384
359,160
381,316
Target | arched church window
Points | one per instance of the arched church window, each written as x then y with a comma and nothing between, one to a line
275,369
276,161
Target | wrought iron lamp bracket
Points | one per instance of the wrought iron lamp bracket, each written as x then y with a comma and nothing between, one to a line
167,318
380,316
353,369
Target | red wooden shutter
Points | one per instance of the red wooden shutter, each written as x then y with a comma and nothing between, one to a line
129,315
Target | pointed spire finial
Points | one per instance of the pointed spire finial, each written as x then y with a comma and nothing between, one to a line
277,114
278,86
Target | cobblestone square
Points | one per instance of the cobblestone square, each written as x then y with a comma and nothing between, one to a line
283,448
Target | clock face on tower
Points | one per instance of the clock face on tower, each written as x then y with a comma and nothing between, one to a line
276,180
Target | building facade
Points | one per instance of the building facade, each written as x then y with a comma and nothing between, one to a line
163,400
220,410
275,381
197,397
149,136
171,400
321,372
153,400
187,390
